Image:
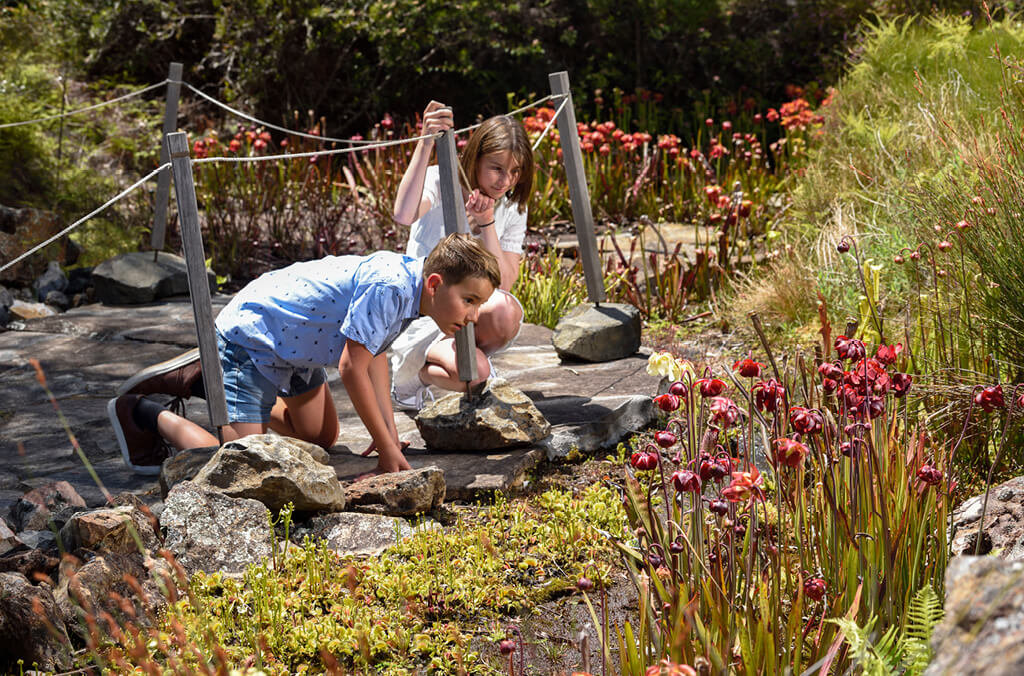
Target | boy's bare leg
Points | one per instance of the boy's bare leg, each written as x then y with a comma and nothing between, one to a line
310,416
442,367
183,433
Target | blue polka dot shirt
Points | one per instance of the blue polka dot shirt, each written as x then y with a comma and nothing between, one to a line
297,318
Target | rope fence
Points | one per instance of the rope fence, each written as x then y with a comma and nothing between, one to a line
124,193
181,164
87,108
354,145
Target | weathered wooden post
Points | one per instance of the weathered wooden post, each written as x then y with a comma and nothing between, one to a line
454,210
579,195
198,284
163,181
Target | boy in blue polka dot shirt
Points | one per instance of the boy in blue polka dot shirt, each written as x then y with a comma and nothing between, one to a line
279,333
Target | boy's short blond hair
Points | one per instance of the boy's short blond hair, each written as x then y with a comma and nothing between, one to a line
459,256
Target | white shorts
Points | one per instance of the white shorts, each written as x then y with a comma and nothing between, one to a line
408,354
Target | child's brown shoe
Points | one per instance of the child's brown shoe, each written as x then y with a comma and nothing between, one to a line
175,377
142,450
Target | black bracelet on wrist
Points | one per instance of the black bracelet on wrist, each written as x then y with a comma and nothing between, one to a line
484,225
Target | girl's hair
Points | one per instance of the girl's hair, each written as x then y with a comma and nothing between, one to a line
496,135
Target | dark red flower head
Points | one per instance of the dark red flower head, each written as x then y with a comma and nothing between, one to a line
748,368
900,384
711,387
789,452
850,348
667,402
665,439
930,475
830,370
887,353
645,460
678,388
686,481
724,411
769,395
814,588
806,420
990,398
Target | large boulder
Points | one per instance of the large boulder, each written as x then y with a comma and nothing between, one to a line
184,466
499,417
983,628
601,332
1003,534
90,588
142,277
274,470
413,491
629,417
31,627
209,531
22,229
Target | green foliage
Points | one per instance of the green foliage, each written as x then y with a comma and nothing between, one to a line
846,520
418,606
547,289
895,652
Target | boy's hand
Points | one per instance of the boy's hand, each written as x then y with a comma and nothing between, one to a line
480,208
437,118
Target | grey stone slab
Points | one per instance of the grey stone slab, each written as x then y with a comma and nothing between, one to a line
88,351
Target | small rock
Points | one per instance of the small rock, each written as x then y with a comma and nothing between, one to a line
58,300
415,491
119,530
35,564
28,634
348,533
39,539
9,542
274,470
209,531
52,503
22,310
598,333
500,417
629,417
51,280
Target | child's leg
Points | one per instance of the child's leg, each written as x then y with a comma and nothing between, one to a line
498,322
310,416
442,367
182,433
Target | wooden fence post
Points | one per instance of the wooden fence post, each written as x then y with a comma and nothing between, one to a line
579,196
198,284
454,210
163,181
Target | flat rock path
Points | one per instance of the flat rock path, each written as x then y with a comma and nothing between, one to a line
87,352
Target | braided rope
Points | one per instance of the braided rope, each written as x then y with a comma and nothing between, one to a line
87,108
548,125
74,225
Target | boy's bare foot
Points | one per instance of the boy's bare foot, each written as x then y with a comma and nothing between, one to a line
373,447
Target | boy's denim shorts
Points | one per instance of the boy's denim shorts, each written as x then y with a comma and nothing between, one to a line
250,395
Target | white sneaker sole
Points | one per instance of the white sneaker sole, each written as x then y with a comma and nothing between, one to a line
150,470
182,359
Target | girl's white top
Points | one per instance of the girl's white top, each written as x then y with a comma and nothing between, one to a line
424,234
